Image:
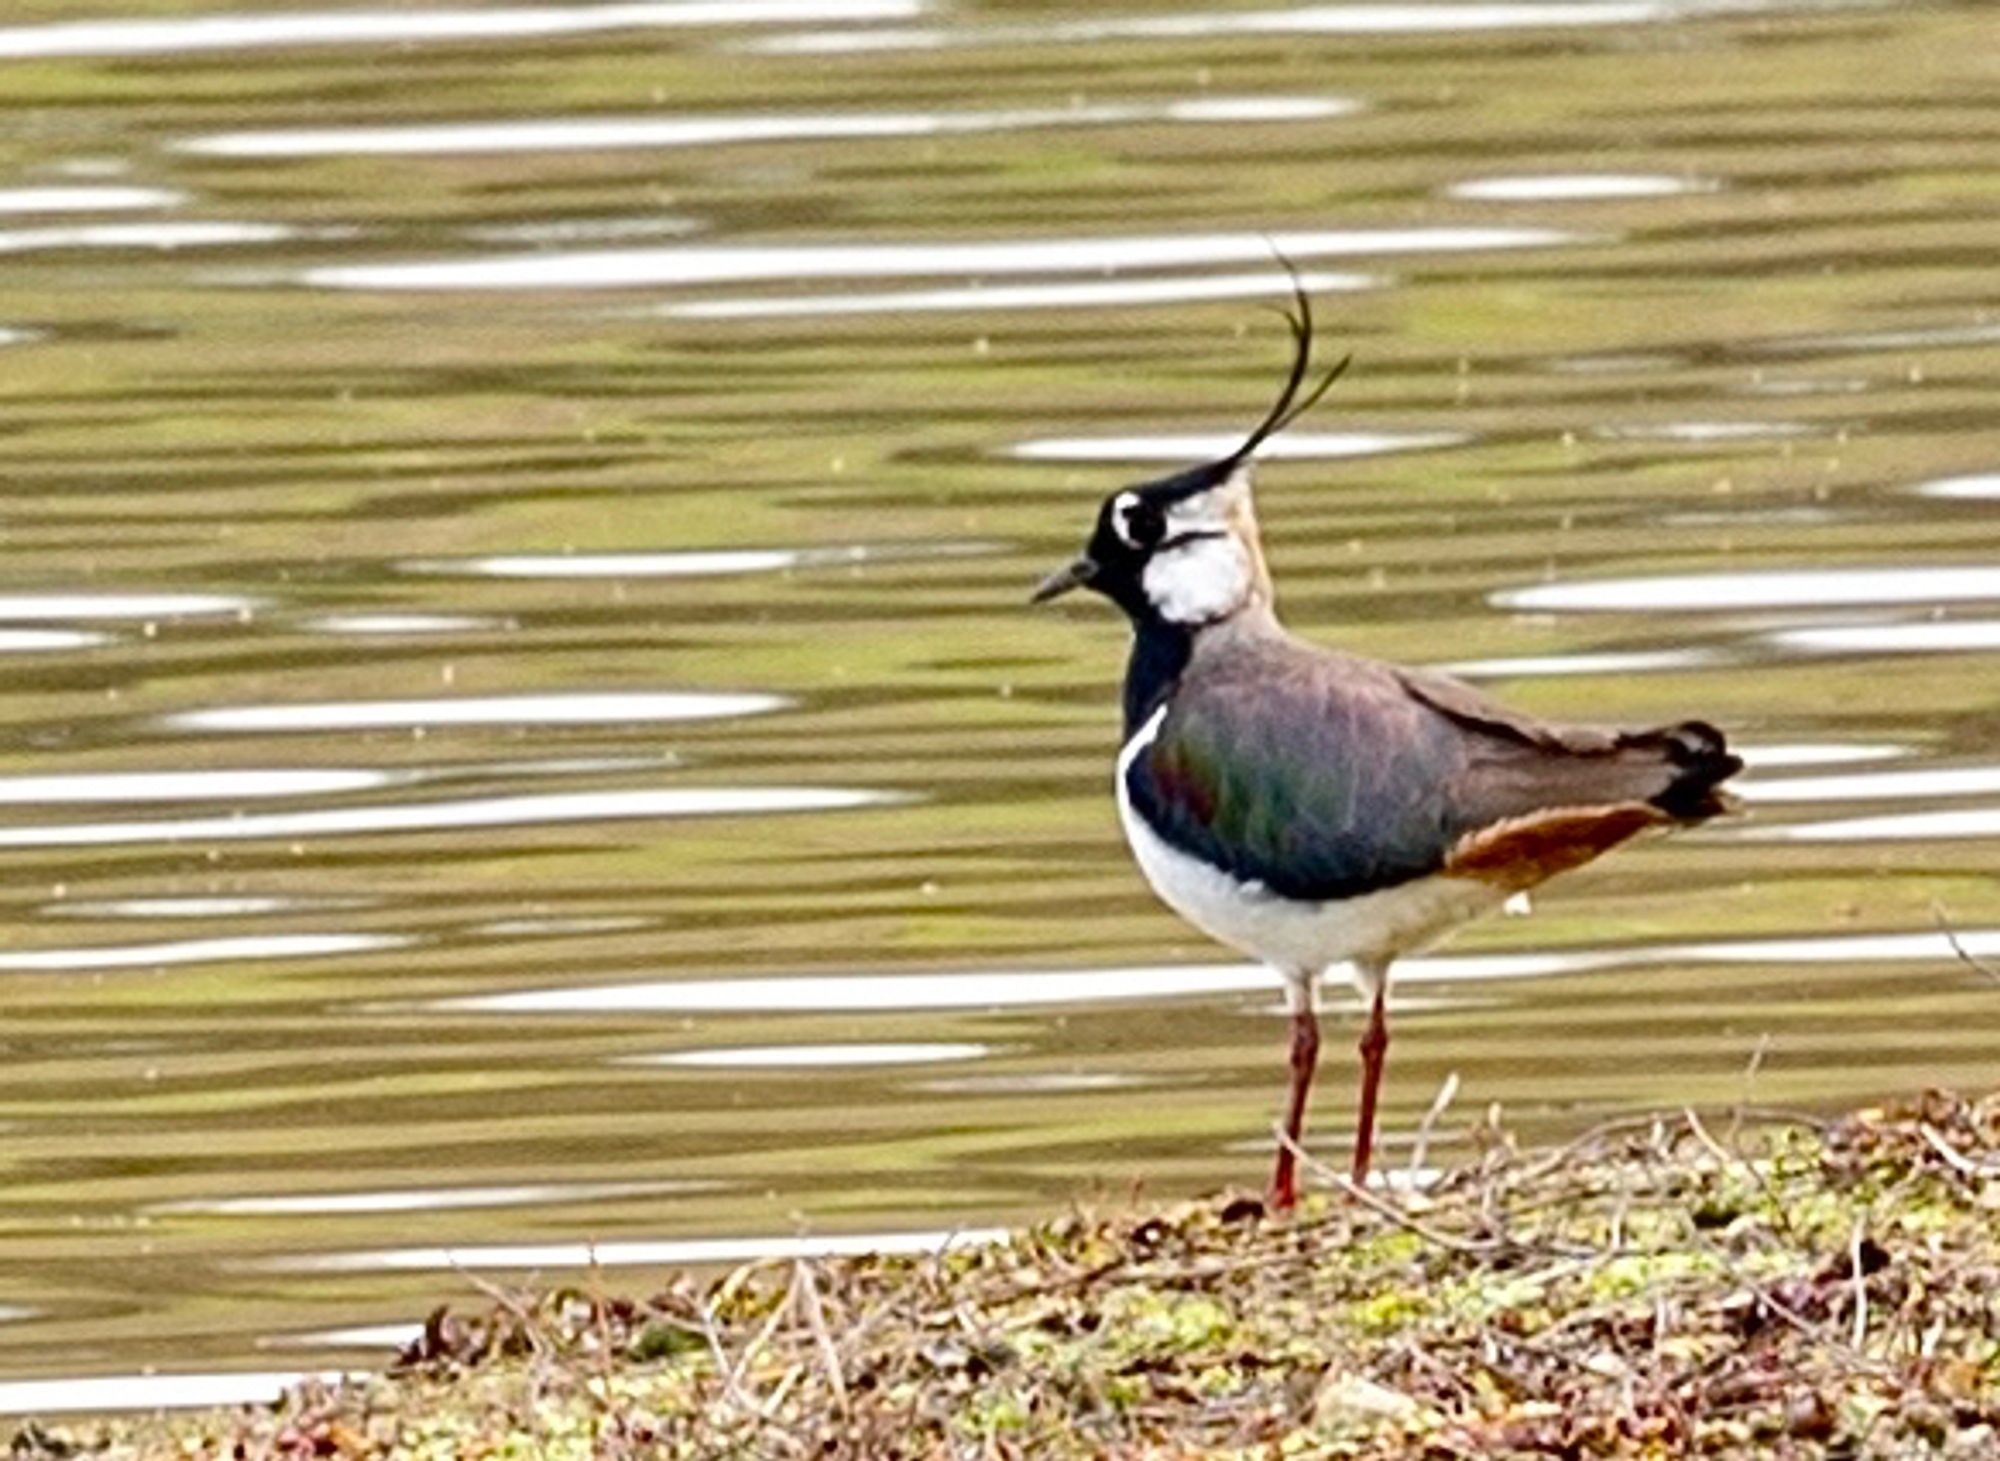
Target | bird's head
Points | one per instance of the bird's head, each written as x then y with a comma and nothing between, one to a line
1184,549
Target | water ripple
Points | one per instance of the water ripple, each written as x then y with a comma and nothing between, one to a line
1931,636
1354,20
563,134
38,607
574,708
150,1391
184,234
1947,826
716,264
1775,589
44,641
1056,295
366,624
1607,662
1875,785
1816,753
456,815
423,1199
170,786
366,27
1978,486
198,951
1197,446
667,1251
1578,187
83,198
811,1057
1006,989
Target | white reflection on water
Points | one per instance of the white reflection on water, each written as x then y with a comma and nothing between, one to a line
186,907
34,608
1814,386
1051,1083
1939,337
1406,19
1875,785
723,264
1934,636
583,230
42,641
356,1336
1610,662
150,1391
413,23
423,1199
1062,294
617,565
86,199
402,624
172,786
677,1251
1577,187
1816,753
1618,362
198,951
560,927
878,991
184,234
1701,431
574,708
1906,827
695,563
1740,517
811,1057
560,134
1978,485
1778,589
1006,990
1165,447
446,816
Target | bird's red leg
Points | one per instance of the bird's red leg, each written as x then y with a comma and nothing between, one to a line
1374,1045
1305,1055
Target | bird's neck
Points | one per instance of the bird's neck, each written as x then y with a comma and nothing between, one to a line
1160,651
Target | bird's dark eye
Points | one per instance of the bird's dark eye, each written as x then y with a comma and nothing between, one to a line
1138,521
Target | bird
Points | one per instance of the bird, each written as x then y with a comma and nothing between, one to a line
1314,808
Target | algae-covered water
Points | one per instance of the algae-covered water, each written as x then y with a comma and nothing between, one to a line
523,735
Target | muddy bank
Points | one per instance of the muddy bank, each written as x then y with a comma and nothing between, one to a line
1751,1283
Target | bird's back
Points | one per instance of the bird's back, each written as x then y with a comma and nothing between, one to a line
1321,775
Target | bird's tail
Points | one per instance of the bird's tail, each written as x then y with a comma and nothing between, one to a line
1701,760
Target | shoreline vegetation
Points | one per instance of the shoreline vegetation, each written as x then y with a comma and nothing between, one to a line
1754,1284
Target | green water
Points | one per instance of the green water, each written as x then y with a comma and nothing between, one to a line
523,729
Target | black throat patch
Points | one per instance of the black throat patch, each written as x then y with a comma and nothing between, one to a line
1160,651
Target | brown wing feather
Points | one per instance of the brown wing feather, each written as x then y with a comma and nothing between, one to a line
1458,701
1676,769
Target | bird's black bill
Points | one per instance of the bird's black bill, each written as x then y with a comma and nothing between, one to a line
1073,575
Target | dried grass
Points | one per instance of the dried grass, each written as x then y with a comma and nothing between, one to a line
1791,1288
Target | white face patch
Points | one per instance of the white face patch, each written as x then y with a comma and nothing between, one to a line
1199,581
1203,571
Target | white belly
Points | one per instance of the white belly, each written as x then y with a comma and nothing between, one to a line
1303,937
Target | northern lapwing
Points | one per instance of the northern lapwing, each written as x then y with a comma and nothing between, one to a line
1313,808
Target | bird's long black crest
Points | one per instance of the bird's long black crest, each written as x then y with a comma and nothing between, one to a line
1290,405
